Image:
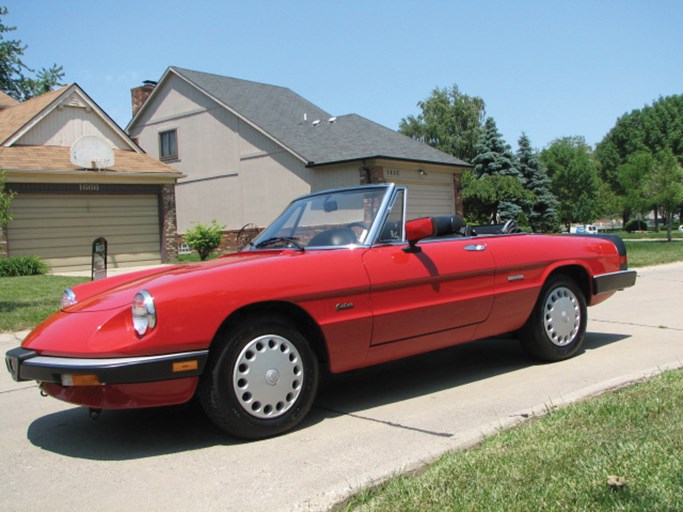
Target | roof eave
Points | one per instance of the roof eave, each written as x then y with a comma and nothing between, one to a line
383,157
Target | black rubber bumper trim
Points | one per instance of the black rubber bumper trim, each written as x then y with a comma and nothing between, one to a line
614,281
28,365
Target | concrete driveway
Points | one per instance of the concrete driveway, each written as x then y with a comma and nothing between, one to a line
366,425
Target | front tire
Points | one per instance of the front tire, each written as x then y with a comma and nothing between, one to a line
557,325
261,379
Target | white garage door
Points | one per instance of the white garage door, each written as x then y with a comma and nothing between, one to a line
60,228
429,195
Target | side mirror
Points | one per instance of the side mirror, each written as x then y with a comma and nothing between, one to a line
417,230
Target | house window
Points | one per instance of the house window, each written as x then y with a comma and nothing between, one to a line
168,145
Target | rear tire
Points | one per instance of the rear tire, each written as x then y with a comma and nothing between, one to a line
261,379
557,325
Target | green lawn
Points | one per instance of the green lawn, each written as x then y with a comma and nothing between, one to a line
26,301
620,451
656,252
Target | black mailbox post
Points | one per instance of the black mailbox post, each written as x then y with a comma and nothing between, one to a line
99,258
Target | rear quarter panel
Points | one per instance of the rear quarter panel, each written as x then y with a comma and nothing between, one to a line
523,263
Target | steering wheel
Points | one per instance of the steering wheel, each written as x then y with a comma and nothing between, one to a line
357,224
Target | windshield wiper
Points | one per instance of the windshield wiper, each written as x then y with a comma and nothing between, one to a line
287,240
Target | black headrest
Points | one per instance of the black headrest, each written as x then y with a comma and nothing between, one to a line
447,224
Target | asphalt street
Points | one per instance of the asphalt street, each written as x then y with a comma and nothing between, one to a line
366,425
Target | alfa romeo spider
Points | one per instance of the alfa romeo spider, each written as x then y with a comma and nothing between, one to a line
340,280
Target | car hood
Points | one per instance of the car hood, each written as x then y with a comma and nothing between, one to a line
116,292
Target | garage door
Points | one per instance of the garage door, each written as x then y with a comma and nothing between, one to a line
429,195
61,228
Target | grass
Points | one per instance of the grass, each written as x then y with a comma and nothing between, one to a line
564,461
645,254
27,301
659,235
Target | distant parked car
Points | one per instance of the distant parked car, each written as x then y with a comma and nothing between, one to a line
340,280
584,229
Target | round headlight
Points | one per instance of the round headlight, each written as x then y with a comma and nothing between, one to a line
144,312
68,298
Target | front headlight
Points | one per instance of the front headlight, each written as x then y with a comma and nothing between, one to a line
144,312
68,298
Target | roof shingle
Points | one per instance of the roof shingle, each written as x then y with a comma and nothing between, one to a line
279,112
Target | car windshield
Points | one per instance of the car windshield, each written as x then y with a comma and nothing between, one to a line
330,219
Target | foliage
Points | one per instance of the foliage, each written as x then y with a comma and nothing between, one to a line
632,174
450,121
27,301
204,239
635,225
652,129
619,451
622,152
575,181
495,158
5,201
14,79
483,195
541,213
664,185
23,266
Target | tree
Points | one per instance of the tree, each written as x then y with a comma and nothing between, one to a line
495,158
652,129
542,212
483,195
450,121
14,79
5,201
574,179
664,185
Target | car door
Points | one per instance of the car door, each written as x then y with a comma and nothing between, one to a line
446,285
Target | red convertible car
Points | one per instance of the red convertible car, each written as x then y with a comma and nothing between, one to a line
340,280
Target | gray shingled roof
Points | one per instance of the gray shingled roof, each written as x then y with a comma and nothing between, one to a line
279,112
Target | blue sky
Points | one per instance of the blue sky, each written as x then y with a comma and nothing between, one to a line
547,68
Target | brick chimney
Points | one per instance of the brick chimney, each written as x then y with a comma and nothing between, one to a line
140,94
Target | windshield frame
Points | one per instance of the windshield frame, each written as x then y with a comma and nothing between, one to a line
297,206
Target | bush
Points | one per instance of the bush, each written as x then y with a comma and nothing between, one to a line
204,239
23,266
636,225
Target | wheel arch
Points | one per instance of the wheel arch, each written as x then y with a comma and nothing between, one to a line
289,313
578,274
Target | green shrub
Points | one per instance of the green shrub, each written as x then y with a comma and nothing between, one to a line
23,266
636,225
204,239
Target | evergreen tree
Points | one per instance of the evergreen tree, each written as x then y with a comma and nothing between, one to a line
541,213
13,72
495,158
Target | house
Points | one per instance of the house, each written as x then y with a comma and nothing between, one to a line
60,206
246,149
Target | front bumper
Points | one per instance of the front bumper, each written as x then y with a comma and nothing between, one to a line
27,365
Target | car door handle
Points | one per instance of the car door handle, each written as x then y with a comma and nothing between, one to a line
475,247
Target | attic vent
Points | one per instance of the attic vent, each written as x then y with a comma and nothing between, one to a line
331,120
74,101
316,122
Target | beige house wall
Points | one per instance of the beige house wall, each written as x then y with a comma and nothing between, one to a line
235,173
